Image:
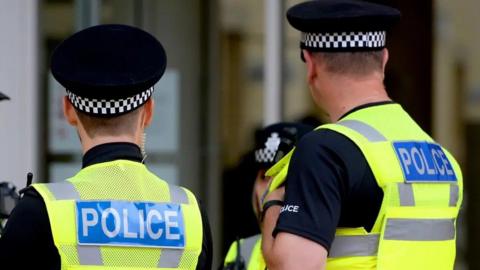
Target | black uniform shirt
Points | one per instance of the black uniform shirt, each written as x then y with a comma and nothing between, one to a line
329,184
27,240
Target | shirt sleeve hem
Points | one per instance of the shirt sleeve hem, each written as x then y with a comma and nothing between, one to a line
324,243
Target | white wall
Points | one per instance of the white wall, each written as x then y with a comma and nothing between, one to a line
19,80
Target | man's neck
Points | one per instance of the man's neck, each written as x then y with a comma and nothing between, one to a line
89,143
346,93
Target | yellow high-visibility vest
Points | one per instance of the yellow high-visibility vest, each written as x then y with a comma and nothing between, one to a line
423,190
250,253
119,215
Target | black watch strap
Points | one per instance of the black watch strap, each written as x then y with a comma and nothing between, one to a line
267,205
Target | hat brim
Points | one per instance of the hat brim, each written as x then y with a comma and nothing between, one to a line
3,97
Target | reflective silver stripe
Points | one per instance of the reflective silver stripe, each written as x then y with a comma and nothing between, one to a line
89,255
354,245
405,192
63,191
170,258
366,130
246,248
178,195
454,190
420,229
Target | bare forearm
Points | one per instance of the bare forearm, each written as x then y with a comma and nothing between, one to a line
289,251
268,242
286,250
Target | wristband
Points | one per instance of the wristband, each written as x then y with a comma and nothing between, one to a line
267,205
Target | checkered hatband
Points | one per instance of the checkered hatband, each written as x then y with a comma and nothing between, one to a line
112,107
344,41
267,154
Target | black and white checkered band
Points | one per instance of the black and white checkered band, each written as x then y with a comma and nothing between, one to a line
267,154
110,107
343,41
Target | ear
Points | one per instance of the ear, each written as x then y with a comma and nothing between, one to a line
69,112
385,59
311,66
149,108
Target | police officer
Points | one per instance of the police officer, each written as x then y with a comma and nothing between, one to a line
271,144
114,213
372,190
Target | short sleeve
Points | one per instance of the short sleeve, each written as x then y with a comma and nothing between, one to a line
28,233
315,189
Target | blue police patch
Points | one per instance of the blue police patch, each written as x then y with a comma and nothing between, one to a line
424,162
122,223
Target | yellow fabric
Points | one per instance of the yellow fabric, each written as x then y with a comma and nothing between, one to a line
120,180
396,255
232,253
431,199
256,262
279,171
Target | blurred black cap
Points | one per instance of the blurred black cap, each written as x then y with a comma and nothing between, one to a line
275,141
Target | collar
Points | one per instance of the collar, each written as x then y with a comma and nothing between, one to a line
371,104
110,152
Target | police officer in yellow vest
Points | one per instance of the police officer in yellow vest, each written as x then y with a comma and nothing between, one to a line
271,144
114,213
371,190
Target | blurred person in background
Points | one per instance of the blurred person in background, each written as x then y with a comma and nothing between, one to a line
372,190
114,213
271,144
8,194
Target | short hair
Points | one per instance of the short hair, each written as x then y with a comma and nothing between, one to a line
351,63
124,124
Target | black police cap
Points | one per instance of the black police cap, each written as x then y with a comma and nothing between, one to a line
109,70
342,25
3,97
275,141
